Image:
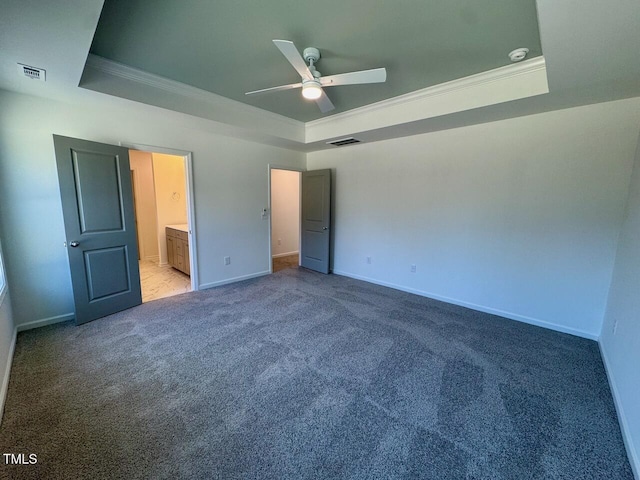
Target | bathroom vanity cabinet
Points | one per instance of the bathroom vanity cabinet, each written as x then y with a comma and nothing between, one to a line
178,247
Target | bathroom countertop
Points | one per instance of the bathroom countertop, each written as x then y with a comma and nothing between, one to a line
183,227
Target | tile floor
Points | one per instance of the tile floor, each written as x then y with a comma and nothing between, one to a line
159,281
164,281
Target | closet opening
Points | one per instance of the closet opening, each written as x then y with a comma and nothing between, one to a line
285,188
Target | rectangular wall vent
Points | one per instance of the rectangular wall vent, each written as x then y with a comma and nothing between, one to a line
344,141
33,73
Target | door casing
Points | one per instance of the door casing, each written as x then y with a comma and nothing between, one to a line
271,167
191,220
269,206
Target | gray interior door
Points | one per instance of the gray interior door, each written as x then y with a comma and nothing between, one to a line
316,220
97,205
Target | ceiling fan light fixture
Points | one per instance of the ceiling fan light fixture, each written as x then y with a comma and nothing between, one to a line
311,90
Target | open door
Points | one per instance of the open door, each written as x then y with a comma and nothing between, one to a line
316,220
97,205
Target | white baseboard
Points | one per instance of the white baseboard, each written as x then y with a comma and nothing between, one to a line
204,286
632,452
4,387
480,308
45,321
285,254
152,258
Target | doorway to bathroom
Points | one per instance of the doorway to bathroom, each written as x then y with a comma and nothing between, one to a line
161,205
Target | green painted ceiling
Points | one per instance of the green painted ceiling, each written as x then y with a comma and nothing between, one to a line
225,46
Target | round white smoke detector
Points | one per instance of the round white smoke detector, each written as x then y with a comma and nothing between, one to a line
518,54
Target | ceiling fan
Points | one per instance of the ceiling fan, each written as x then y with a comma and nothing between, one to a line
313,82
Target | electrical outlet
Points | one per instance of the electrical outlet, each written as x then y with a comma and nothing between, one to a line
279,241
615,326
413,269
227,260
368,259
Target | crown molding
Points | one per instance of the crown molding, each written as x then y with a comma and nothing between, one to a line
518,80
126,72
473,81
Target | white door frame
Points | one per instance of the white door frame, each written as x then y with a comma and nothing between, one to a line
191,217
291,169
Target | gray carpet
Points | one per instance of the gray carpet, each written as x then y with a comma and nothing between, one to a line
299,375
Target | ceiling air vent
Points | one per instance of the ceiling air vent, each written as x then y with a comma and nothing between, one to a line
32,72
344,141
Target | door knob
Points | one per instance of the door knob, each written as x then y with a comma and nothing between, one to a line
74,244
325,228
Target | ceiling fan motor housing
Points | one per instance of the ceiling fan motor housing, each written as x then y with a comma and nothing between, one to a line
311,54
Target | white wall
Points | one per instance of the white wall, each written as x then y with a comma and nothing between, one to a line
620,337
518,217
146,221
171,199
285,212
230,188
7,340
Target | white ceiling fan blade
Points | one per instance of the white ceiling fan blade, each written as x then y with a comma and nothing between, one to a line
276,89
376,75
324,103
292,54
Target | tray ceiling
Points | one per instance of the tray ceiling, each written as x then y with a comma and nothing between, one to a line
225,47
